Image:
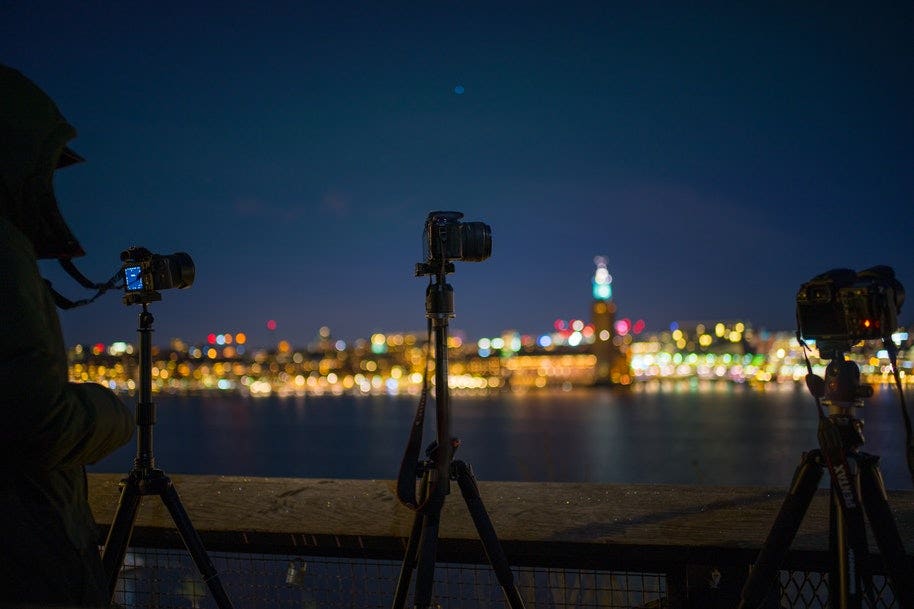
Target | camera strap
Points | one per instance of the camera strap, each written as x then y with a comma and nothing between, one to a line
72,271
65,303
892,350
409,466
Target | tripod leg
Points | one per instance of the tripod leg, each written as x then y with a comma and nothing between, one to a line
493,549
763,576
409,563
846,574
428,547
875,501
194,544
412,547
121,528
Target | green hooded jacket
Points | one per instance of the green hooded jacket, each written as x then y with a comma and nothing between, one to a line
51,428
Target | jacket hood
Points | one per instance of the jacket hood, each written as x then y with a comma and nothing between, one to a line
33,144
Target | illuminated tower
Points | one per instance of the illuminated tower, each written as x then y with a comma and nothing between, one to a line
612,366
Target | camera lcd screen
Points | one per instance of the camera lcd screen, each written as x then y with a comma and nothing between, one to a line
133,278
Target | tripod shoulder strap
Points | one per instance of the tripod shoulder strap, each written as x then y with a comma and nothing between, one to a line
406,479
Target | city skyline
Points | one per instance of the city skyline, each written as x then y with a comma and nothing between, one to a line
718,157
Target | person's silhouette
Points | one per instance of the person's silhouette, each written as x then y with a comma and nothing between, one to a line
50,427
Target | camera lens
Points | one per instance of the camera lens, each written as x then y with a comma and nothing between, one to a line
476,238
182,269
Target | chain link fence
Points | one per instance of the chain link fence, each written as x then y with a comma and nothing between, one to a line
168,579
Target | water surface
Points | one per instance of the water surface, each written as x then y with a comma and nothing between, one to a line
715,434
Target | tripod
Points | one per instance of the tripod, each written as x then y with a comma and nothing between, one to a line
145,479
856,487
439,468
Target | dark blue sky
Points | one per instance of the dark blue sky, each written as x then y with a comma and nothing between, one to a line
717,156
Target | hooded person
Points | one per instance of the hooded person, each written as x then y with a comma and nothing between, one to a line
51,427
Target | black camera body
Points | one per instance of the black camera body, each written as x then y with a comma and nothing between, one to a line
841,307
146,273
446,238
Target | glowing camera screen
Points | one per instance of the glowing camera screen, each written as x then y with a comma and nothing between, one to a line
133,276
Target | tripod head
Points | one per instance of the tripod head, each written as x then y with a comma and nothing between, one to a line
842,392
841,387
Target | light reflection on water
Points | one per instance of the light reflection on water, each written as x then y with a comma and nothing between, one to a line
672,433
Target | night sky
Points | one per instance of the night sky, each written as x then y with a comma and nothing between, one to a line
718,157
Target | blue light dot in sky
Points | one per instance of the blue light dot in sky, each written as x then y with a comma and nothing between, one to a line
459,89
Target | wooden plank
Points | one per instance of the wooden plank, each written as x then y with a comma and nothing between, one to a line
528,516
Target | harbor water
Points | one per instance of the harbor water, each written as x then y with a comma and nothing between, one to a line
719,434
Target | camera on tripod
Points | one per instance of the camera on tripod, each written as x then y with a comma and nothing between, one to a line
146,273
446,238
838,309
841,307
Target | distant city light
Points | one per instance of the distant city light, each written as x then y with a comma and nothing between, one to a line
271,324
515,344
378,343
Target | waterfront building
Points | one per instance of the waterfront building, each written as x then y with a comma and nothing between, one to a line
611,361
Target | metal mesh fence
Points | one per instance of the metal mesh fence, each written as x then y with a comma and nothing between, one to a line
809,590
168,579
